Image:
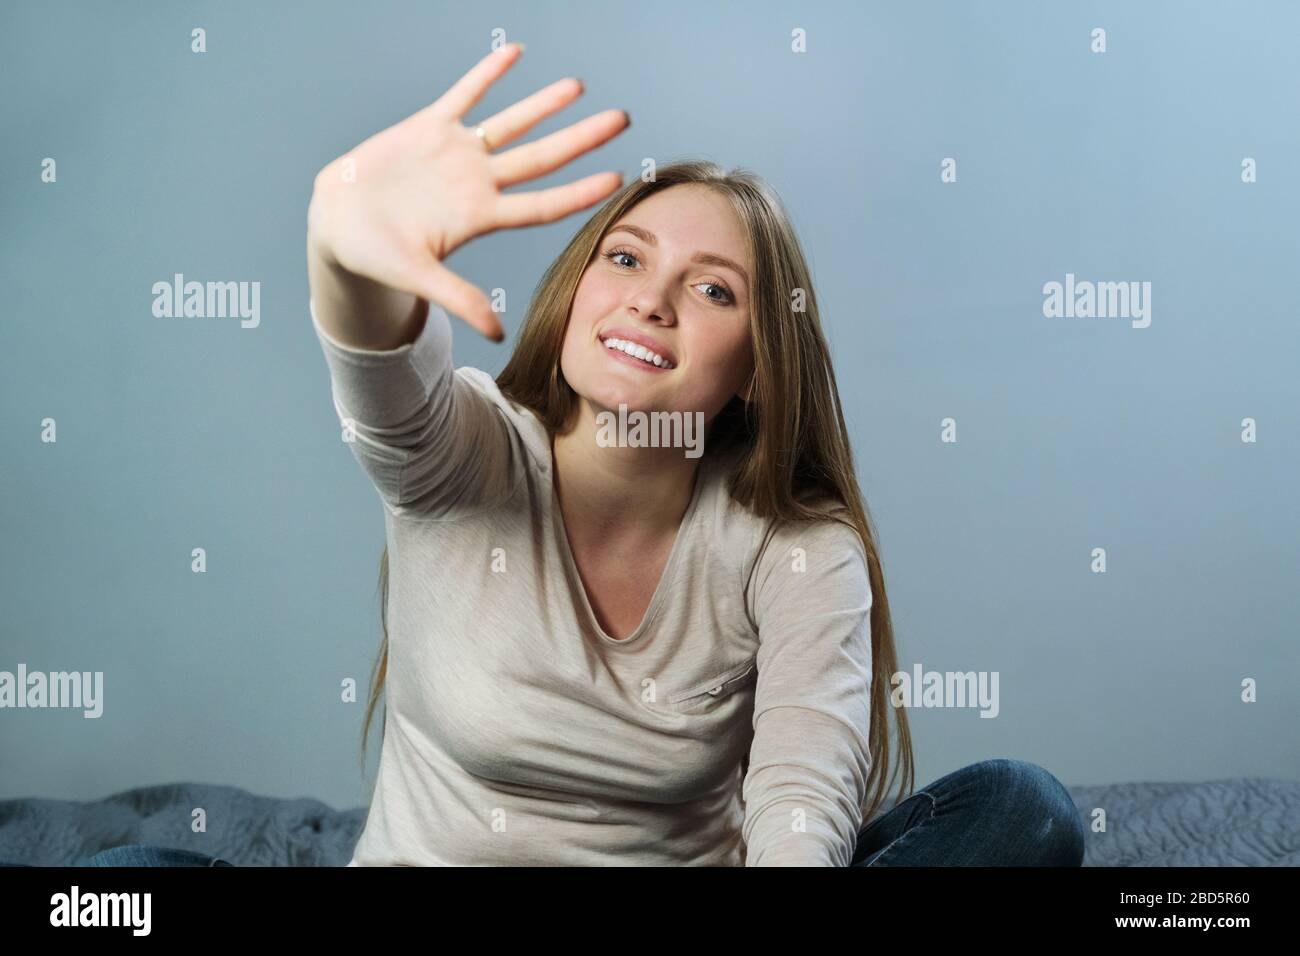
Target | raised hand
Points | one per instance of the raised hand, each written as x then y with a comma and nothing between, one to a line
402,201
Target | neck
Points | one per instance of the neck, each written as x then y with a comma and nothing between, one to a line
615,493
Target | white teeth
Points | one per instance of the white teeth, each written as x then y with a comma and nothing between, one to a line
639,351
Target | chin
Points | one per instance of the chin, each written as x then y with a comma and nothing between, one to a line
610,403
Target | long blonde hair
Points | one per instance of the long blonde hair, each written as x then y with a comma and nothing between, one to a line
790,437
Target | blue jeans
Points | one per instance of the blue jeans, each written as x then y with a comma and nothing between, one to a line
138,854
997,812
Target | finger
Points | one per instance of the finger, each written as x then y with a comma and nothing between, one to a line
469,89
429,279
518,118
462,298
548,205
551,152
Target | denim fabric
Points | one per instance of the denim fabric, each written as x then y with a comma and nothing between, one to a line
138,854
998,812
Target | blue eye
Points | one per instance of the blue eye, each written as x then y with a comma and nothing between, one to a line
615,253
618,252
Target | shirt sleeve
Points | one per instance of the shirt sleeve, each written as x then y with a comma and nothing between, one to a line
424,432
810,757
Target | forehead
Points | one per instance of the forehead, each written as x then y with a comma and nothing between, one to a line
691,219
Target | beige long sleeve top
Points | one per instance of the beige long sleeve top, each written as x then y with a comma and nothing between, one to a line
518,732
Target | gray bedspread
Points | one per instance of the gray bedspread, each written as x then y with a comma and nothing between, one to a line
1240,822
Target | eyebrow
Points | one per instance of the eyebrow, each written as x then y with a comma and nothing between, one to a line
706,258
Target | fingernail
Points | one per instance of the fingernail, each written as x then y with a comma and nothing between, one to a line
521,47
627,116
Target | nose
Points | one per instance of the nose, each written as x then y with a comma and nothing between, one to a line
652,303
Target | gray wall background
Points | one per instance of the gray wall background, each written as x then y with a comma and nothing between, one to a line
1072,433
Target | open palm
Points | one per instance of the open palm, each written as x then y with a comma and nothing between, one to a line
397,205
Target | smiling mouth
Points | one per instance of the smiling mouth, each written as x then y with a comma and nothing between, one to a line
637,354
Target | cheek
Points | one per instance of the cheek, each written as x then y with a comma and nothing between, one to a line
584,314
728,354
571,353
592,287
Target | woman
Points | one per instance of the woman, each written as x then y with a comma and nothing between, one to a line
614,646
620,651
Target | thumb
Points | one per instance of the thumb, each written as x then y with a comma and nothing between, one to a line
434,281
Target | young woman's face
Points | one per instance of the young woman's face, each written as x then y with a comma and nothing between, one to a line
658,276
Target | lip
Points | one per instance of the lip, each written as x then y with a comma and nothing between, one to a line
639,338
618,355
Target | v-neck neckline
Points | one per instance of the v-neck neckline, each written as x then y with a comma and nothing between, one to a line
665,577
